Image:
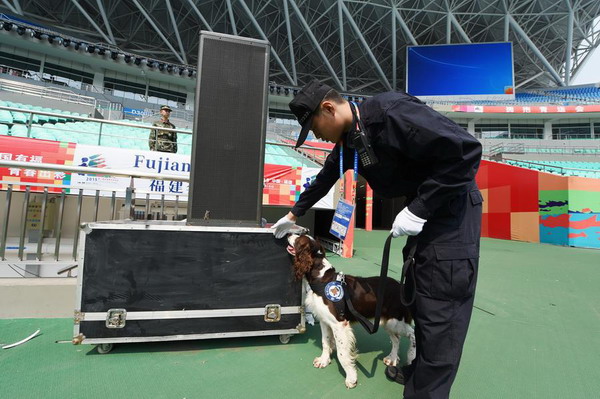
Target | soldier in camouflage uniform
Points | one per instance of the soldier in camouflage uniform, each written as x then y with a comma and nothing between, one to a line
163,140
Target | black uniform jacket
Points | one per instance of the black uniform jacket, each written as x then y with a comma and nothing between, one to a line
423,156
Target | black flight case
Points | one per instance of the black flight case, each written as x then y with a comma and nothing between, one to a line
168,281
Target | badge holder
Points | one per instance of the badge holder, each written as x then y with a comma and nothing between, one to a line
341,219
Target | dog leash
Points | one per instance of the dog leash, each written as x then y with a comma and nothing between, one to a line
408,263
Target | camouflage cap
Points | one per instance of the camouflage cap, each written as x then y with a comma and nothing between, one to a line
166,107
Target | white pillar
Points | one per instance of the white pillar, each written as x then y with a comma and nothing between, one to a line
548,130
190,99
99,81
471,127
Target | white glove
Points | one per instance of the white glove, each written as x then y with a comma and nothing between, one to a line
283,226
407,223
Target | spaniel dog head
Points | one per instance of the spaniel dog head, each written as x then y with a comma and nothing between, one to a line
308,253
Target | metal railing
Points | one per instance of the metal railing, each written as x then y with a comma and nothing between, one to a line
105,107
130,211
316,155
522,148
496,150
47,92
562,150
540,166
509,148
99,135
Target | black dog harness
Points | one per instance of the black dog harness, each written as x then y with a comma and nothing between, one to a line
341,306
408,263
324,288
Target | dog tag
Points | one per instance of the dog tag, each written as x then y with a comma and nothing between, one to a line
334,291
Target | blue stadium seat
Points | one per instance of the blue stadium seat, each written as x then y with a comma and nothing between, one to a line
6,117
18,130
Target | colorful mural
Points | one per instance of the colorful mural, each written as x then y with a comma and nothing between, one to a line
554,209
511,210
531,206
584,212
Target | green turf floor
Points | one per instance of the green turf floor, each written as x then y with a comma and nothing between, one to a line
535,333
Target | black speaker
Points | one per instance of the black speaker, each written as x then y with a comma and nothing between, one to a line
228,143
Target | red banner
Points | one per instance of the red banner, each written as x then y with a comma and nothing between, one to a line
23,149
529,109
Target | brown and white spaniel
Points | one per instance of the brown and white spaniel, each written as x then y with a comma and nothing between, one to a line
314,269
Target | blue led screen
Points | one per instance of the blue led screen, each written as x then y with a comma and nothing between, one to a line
460,69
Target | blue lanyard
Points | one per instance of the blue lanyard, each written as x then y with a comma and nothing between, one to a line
342,163
355,154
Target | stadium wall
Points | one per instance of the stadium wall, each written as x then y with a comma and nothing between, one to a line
531,206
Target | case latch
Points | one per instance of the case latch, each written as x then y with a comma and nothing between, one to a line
115,318
79,316
272,313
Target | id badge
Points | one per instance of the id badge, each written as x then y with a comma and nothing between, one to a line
341,219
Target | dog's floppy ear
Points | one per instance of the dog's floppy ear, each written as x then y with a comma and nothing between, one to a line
303,261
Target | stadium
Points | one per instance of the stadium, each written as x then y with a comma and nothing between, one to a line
83,85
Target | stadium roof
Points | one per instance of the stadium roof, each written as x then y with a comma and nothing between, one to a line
356,46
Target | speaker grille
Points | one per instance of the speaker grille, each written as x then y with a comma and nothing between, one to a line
229,134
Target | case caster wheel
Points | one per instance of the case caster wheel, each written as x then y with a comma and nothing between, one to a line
104,348
285,338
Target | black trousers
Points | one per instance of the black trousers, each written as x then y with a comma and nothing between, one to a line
445,273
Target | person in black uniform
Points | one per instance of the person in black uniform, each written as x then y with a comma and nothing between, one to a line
430,161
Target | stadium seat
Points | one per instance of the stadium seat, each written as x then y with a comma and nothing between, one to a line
6,117
40,118
36,130
18,130
20,117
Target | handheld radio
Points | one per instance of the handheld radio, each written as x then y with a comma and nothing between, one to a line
360,142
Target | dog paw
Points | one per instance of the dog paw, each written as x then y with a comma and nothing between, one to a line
321,363
389,361
351,383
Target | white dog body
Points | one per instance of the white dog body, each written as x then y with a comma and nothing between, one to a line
336,330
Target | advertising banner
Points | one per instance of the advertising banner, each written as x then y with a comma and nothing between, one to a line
529,109
161,163
136,112
282,184
23,149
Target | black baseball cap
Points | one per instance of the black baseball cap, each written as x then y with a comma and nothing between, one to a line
304,105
